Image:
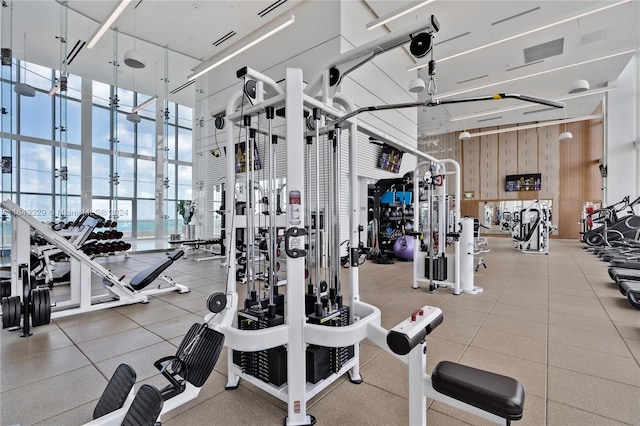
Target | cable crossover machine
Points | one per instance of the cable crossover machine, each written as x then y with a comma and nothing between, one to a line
295,345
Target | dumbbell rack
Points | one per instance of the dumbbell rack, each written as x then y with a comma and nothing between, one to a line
107,242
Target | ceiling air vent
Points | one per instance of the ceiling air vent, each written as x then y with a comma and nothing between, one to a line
453,38
525,65
489,119
593,36
273,6
544,50
535,111
474,78
517,15
224,38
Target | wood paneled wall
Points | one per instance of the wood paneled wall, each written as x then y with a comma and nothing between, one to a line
569,168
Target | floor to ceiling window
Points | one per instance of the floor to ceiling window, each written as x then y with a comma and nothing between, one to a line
46,170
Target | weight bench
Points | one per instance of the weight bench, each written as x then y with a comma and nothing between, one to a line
186,372
146,277
631,289
492,396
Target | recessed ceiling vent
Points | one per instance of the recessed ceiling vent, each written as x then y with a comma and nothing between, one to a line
489,119
224,38
273,6
535,111
593,36
517,15
455,37
544,50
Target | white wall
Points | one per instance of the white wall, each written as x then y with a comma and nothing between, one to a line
622,129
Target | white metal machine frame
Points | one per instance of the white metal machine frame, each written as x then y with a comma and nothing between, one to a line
462,269
82,266
296,333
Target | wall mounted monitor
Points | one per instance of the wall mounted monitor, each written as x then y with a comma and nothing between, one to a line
390,159
524,182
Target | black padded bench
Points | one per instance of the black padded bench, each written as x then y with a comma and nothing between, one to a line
490,392
631,289
144,278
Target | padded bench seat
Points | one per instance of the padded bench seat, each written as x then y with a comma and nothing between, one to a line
491,392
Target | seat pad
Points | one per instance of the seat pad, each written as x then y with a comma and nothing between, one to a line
491,392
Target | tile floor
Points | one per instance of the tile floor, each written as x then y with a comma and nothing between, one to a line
556,323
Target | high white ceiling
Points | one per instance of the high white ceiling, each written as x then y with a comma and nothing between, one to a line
185,32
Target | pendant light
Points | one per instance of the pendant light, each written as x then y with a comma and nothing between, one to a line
22,88
565,135
133,58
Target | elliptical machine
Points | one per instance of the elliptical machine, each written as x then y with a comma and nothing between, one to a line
614,228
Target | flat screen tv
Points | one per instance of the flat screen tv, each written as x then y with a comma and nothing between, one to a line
241,158
390,159
525,182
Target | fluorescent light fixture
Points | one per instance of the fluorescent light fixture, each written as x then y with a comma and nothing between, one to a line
528,105
263,33
613,55
544,27
117,10
145,104
396,14
54,89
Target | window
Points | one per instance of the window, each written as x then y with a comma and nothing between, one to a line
36,116
35,168
74,122
100,171
100,125
146,179
147,137
41,125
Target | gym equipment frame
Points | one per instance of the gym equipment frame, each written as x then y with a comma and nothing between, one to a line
82,266
494,397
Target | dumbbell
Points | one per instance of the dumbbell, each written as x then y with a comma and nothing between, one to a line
107,223
118,234
127,246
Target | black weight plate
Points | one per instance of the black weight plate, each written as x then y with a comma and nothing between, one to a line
35,307
216,302
11,312
41,307
5,288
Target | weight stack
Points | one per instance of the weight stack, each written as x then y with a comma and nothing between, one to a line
338,357
269,365
439,268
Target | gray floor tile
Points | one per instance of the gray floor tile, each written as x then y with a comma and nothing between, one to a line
605,343
563,415
52,396
117,344
595,395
